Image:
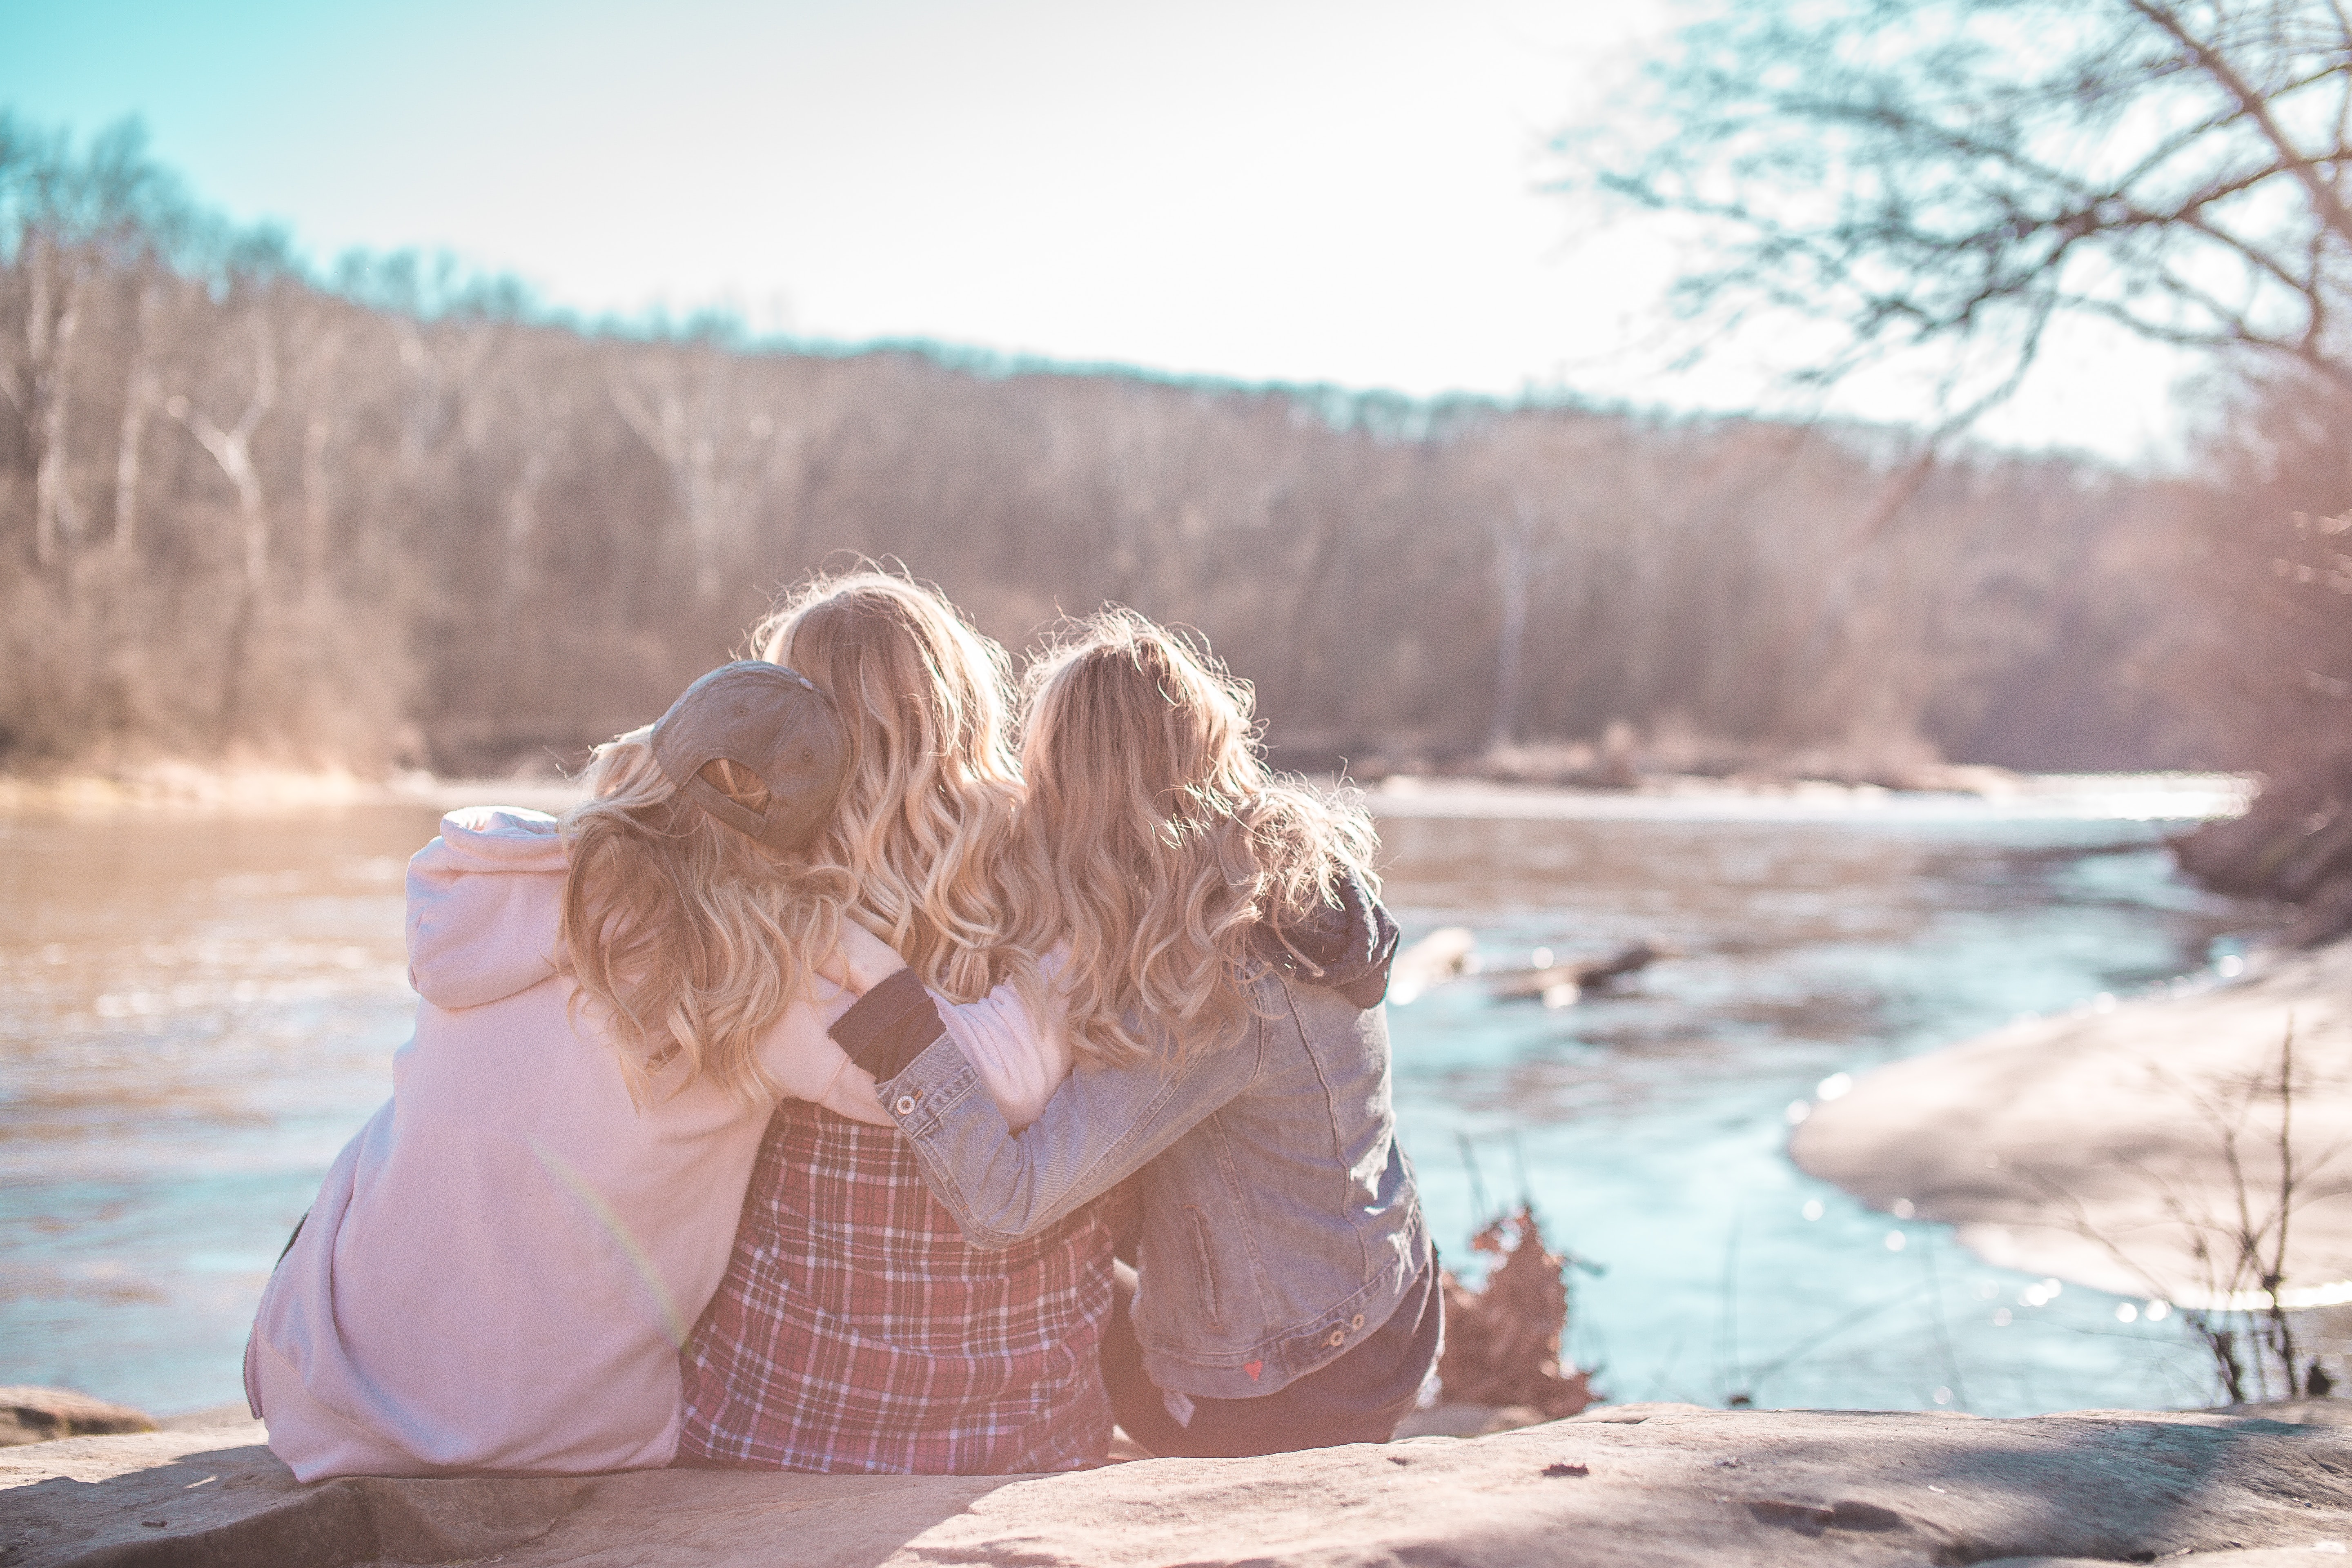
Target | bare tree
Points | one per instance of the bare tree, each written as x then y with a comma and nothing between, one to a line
141,387
2275,526
439,361
56,520
321,416
1958,175
539,418
38,383
1946,182
682,402
232,448
1515,565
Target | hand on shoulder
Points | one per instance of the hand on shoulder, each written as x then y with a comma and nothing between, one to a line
862,961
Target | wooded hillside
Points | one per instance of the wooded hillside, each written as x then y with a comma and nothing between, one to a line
375,515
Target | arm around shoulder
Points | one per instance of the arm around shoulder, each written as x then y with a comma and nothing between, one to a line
1105,1122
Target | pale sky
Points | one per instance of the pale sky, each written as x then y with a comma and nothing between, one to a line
1301,192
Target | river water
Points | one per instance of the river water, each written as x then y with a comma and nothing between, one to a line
196,1012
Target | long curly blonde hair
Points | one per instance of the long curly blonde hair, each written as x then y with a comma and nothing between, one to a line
1156,841
687,937
925,823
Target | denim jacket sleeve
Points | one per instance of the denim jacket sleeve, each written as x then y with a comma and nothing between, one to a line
1105,1122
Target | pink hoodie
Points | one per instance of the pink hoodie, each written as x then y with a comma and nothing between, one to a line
500,1269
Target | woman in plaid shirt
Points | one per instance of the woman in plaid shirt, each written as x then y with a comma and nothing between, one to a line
857,1329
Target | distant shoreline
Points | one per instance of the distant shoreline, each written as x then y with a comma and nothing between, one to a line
1961,794
1973,794
199,790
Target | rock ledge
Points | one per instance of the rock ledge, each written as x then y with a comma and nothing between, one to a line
1639,1484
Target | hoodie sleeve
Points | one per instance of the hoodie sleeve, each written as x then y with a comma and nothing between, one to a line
484,906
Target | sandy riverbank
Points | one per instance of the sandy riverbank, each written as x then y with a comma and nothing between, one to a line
1639,1484
200,789
190,789
2127,1145
1969,794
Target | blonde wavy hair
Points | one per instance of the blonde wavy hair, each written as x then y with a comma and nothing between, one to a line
688,937
925,823
1156,841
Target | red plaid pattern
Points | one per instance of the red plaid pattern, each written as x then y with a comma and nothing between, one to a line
858,1331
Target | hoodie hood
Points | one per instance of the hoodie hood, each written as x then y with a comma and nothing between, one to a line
484,906
1345,942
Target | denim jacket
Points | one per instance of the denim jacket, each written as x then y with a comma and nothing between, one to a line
1280,1219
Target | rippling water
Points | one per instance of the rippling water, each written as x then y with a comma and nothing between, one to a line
1650,1127
194,1014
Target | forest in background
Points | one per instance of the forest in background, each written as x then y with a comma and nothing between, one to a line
382,515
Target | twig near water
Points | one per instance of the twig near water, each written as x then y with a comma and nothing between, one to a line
1477,1187
1943,1335
1811,1343
1727,1321
2243,1321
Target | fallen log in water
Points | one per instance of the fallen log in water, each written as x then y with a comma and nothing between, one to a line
1442,955
1557,984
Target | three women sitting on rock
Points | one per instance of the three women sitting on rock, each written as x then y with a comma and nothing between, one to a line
631,1203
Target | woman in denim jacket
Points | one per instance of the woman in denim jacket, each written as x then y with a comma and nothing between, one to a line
1225,961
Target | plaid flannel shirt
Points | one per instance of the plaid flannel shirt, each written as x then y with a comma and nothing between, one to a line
857,1331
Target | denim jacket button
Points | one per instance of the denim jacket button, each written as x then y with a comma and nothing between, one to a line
1339,1336
1356,1322
906,1106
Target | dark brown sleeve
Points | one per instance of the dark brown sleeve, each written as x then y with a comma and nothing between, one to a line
889,1027
1368,993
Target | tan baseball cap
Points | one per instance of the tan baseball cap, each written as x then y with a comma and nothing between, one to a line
775,723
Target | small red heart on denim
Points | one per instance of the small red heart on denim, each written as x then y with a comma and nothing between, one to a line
1253,1368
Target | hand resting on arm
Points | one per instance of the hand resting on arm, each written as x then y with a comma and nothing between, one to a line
802,1059
1020,1059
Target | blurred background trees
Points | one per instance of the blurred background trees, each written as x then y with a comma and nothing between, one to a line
1947,184
396,514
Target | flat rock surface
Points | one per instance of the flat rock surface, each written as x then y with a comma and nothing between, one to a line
2098,1147
1639,1484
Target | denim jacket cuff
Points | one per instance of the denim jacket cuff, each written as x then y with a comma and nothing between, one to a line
931,1085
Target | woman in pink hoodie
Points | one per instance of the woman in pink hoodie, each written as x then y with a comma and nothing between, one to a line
500,1269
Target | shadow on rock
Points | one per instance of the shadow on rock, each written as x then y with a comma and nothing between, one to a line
232,1506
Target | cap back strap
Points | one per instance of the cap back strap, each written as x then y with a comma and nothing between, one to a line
726,809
